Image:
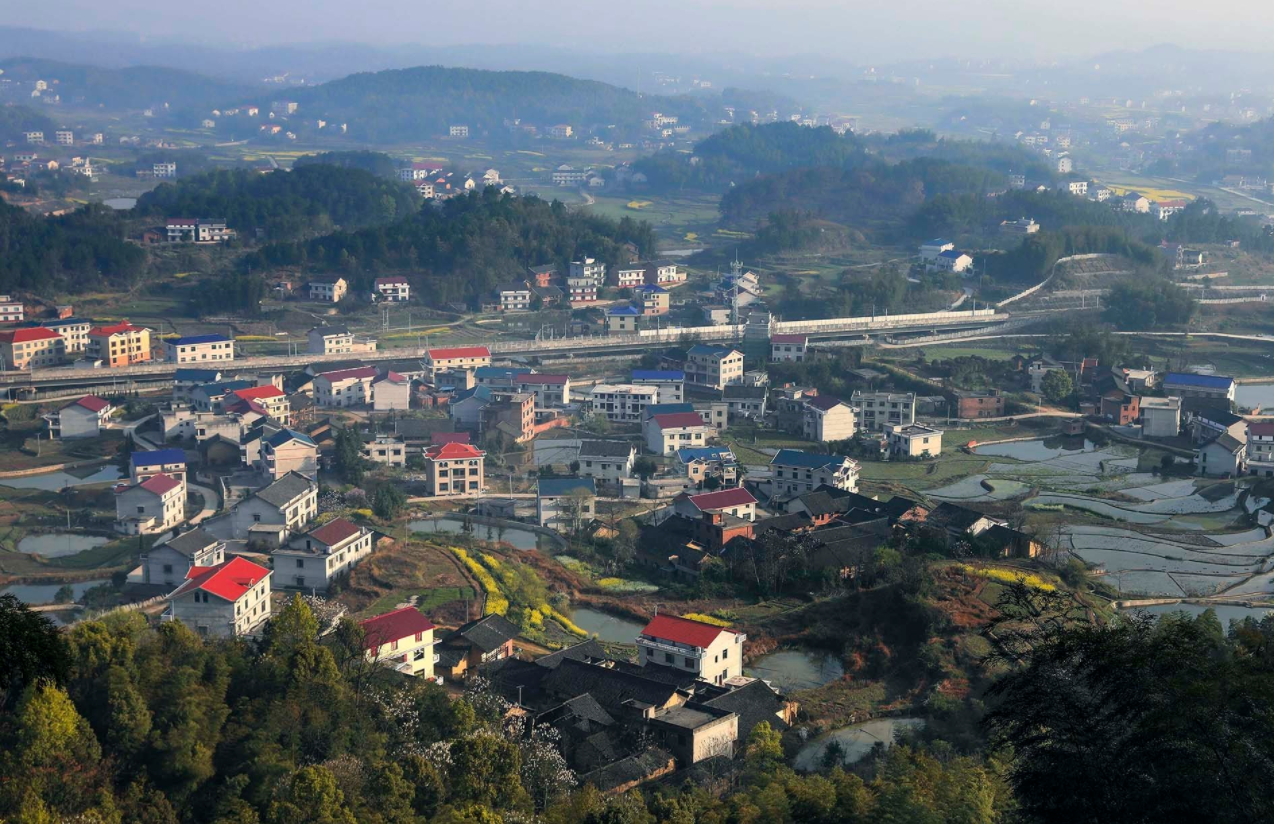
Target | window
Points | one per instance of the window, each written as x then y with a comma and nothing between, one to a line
168,567
668,657
725,653
690,662
300,563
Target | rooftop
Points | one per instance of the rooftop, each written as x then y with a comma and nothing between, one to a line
391,626
459,352
191,541
1201,381
285,490
722,498
452,451
658,375
158,456
334,532
194,339
229,580
546,380
801,339
683,630
677,420
807,460
605,449
90,402
358,373
557,487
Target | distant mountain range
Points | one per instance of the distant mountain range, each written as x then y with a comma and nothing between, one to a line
131,87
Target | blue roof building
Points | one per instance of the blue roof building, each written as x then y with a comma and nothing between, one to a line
623,311
195,339
559,487
158,457
284,435
805,460
1213,382
667,409
705,453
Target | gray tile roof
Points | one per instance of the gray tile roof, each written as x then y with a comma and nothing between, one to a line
188,543
605,449
285,490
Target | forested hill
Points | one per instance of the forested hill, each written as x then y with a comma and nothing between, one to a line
82,250
15,121
408,104
135,87
466,248
311,199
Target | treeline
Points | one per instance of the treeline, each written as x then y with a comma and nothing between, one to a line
1202,222
948,215
410,104
464,249
1148,304
377,163
16,121
130,87
1033,260
82,250
312,199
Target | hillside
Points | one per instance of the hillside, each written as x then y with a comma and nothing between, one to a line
409,104
16,120
134,87
66,254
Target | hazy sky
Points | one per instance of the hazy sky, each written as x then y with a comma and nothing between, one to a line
853,30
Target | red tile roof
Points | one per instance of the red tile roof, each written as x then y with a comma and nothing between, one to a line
453,451
115,329
334,532
359,373
160,484
674,420
90,402
459,352
394,626
229,580
258,393
1263,429
722,498
247,406
789,338
437,438
683,630
547,380
26,335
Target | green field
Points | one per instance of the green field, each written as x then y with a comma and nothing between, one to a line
673,216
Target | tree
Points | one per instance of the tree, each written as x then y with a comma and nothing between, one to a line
764,750
349,456
624,544
311,797
1057,385
389,502
31,649
51,753
644,467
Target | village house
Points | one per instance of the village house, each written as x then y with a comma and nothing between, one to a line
170,462
671,383
394,289
11,311
796,472
227,600
565,504
310,562
714,366
119,344
1222,457
745,402
82,418
514,297
654,300
1123,410
272,514
550,391
287,451
665,434
792,348
74,332
607,462
328,290
453,468
697,464
664,273
1260,448
345,388
622,402
953,261
930,249
737,503
984,403
196,229
469,647
157,504
331,340
168,564
385,450
199,349
629,275
913,441
269,398
826,419
391,391
877,410
402,640
1188,385
623,319
453,358
713,654
31,348
510,413
214,397
1160,417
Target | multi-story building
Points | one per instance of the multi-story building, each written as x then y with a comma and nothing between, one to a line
561,131
311,561
655,300
792,348
31,348
568,176
64,137
393,289
550,391
622,402
876,410
270,398
457,357
697,464
385,450
345,387
34,138
277,511
607,462
623,320
713,654
336,340
402,640
169,563
826,419
143,466
164,170
665,434
453,469
664,273
565,504
328,290
514,297
714,366
119,344
1122,409
81,418
629,275
11,311
418,171
671,383
589,268
986,403
795,472
1187,385
391,391
199,349
581,289
1161,417
458,131
1260,447
913,441
157,504
285,451
74,332
197,230
512,413
228,600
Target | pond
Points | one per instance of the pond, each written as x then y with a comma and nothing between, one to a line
796,669
1254,395
1224,612
1037,450
605,626
517,537
53,481
43,593
856,741
120,202
59,544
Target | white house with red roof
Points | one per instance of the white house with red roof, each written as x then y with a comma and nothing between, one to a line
81,418
791,348
1260,448
737,502
551,391
391,391
714,654
394,289
345,387
455,357
309,562
227,600
402,640
667,433
453,469
31,348
157,504
273,399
